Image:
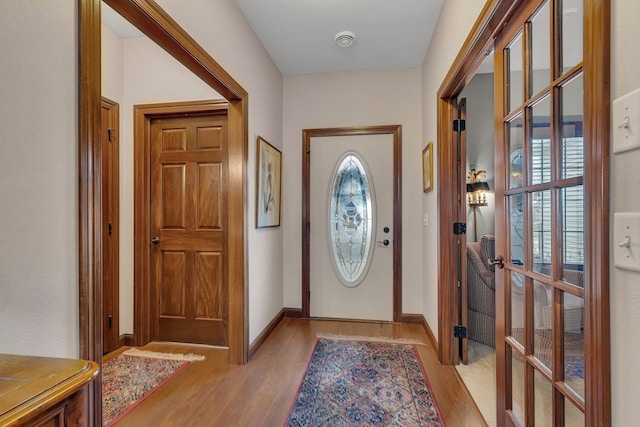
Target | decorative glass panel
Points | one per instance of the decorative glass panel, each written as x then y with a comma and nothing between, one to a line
573,417
514,86
516,155
572,18
572,206
351,220
517,306
543,322
517,386
543,415
572,124
516,235
541,70
541,143
573,311
541,239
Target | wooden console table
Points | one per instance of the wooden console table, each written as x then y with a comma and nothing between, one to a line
45,391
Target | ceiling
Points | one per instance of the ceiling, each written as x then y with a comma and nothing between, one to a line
299,34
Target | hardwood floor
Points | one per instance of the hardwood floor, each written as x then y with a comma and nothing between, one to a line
260,393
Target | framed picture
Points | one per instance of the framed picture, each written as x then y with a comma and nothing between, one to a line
268,185
427,167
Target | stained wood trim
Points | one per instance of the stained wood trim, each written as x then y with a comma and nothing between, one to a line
149,18
492,18
89,197
268,330
295,313
448,211
127,340
419,319
238,124
597,81
307,134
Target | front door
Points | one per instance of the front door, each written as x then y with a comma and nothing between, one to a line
338,225
188,225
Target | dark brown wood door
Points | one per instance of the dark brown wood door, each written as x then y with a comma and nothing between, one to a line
540,219
463,348
189,228
109,161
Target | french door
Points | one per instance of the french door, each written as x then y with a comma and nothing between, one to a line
540,216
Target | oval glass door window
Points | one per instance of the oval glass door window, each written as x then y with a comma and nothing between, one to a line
351,219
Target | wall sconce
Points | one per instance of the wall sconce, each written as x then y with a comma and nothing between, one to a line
476,195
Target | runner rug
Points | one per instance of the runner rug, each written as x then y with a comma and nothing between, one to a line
132,376
364,383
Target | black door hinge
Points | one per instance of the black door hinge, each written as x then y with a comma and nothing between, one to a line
459,331
110,322
110,133
459,228
459,125
110,229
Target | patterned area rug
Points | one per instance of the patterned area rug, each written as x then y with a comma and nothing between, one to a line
362,383
131,377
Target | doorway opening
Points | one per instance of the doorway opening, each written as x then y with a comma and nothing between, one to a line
149,18
477,359
540,331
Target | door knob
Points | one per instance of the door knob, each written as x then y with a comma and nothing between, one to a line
155,240
385,242
499,261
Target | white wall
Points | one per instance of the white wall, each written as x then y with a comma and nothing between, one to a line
38,178
221,29
456,19
625,285
112,66
380,97
480,129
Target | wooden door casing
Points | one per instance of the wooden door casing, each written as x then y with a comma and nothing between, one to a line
307,134
189,216
110,225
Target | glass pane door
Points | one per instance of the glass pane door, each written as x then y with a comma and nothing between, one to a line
543,215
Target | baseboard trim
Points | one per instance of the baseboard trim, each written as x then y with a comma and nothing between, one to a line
419,319
126,340
296,313
255,345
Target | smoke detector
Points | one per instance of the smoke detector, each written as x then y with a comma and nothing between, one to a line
345,38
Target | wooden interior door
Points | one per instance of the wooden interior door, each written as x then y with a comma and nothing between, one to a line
189,180
459,126
110,225
540,217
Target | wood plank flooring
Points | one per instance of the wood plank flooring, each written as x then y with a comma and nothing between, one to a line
260,393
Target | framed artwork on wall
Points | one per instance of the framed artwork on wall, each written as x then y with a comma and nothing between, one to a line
427,167
268,185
